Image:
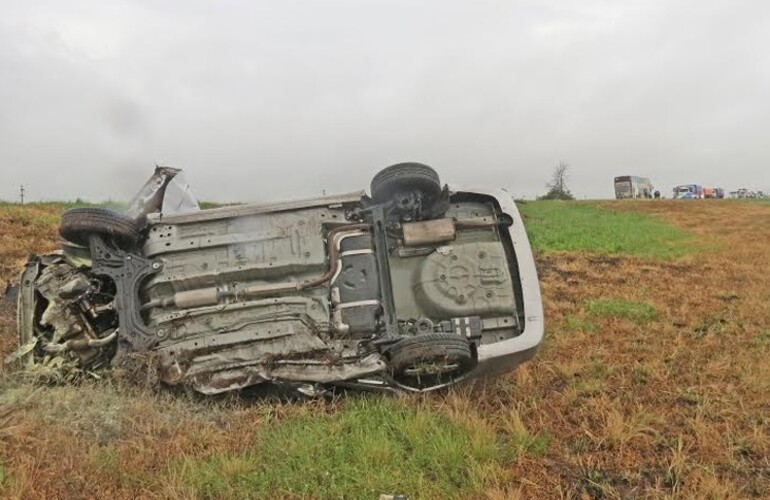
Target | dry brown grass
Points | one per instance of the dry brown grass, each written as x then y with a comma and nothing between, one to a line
22,232
675,407
25,230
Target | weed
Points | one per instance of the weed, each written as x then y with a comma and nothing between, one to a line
638,312
710,325
105,458
576,324
580,445
524,442
587,387
728,296
761,339
742,448
618,430
689,396
639,374
596,483
538,444
677,467
600,370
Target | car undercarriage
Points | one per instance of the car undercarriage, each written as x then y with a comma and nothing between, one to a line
414,287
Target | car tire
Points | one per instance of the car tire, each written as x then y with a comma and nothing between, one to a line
430,359
402,177
78,224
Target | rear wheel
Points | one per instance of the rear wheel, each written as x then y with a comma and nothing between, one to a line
404,178
430,359
78,224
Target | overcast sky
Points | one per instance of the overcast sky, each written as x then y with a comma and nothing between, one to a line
262,100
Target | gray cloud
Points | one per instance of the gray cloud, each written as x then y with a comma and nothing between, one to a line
265,100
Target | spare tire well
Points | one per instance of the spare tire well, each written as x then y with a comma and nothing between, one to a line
430,359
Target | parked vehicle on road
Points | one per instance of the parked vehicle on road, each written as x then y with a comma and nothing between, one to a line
413,287
632,186
713,193
689,192
746,193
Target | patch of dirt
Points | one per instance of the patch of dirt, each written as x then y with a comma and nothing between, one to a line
605,260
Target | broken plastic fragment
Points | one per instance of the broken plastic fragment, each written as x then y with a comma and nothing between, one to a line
21,351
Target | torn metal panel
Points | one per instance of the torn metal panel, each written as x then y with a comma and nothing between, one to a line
166,192
296,371
25,319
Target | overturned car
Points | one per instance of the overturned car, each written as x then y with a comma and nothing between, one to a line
415,287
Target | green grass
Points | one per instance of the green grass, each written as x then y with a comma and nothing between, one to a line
372,446
576,324
584,226
638,312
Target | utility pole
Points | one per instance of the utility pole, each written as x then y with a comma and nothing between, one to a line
21,193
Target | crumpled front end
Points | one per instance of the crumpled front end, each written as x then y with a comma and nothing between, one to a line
66,317
68,326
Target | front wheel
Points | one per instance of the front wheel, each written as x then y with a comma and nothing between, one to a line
78,224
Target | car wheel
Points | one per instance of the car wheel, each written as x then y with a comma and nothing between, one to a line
78,224
430,359
404,177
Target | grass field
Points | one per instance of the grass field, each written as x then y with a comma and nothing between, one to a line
579,226
653,381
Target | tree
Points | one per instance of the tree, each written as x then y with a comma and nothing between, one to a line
557,188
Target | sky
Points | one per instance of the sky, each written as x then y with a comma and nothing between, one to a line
269,100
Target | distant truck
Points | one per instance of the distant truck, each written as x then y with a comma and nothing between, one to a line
716,193
632,186
688,192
